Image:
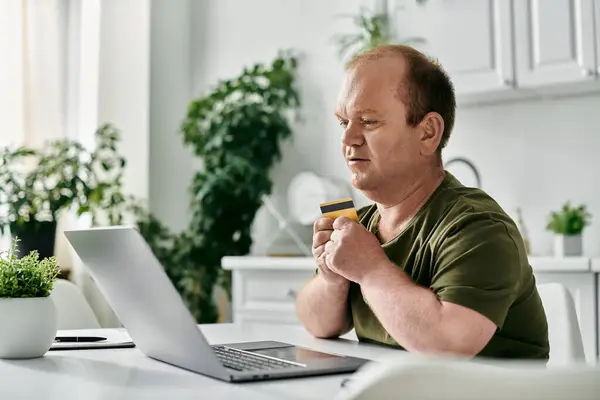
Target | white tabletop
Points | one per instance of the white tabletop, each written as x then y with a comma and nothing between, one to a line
128,374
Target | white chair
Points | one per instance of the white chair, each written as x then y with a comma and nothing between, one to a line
564,335
74,312
458,379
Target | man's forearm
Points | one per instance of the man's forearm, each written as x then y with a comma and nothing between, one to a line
322,308
410,313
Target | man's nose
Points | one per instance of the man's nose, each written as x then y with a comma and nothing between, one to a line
352,135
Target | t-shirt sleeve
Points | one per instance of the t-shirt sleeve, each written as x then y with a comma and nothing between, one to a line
478,265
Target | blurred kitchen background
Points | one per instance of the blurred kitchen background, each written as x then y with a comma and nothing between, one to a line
534,154
527,75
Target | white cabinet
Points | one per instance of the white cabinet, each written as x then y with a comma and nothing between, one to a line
555,42
265,288
470,38
498,50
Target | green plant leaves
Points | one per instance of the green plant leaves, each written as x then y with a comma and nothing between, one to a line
236,130
373,30
37,184
569,221
28,276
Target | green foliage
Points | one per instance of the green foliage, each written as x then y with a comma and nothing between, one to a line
373,29
37,184
569,220
27,276
236,130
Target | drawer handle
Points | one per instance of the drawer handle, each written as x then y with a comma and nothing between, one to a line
292,293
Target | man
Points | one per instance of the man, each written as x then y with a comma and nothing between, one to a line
433,266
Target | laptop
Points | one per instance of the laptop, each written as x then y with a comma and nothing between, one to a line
155,316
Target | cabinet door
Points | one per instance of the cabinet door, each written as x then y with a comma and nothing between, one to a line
470,38
554,41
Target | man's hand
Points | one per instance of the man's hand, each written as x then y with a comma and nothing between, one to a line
322,304
322,230
352,251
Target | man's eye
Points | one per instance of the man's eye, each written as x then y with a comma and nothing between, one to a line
368,122
343,123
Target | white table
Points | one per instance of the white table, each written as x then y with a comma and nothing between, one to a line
128,374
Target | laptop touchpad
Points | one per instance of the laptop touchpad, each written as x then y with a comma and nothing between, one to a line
284,351
294,353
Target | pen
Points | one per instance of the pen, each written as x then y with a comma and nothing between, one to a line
79,339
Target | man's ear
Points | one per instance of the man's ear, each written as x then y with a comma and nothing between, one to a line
432,128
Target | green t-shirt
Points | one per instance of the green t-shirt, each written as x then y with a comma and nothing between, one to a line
468,251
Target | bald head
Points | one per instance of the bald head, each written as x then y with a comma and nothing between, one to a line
419,82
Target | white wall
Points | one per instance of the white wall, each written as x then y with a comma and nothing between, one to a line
534,155
115,88
241,33
124,91
170,167
227,35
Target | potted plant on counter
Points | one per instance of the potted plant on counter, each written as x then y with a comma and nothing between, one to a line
29,318
567,226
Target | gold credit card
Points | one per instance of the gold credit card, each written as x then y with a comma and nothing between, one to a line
339,208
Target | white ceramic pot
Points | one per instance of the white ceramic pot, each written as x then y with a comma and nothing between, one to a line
27,326
568,245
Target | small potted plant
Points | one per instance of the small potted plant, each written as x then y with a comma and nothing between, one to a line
567,226
28,321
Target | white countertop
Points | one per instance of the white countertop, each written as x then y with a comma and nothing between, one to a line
266,262
539,264
128,374
565,264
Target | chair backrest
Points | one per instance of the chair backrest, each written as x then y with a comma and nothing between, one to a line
456,379
564,334
74,312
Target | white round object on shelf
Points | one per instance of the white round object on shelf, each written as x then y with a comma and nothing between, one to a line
307,191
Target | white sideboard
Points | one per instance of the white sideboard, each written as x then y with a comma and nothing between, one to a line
265,289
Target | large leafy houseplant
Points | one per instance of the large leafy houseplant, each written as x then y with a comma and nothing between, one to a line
38,184
236,130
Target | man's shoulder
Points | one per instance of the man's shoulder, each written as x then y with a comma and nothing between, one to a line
455,202
459,208
476,206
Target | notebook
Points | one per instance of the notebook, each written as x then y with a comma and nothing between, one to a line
115,339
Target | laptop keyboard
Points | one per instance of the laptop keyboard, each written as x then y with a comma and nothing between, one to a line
240,360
